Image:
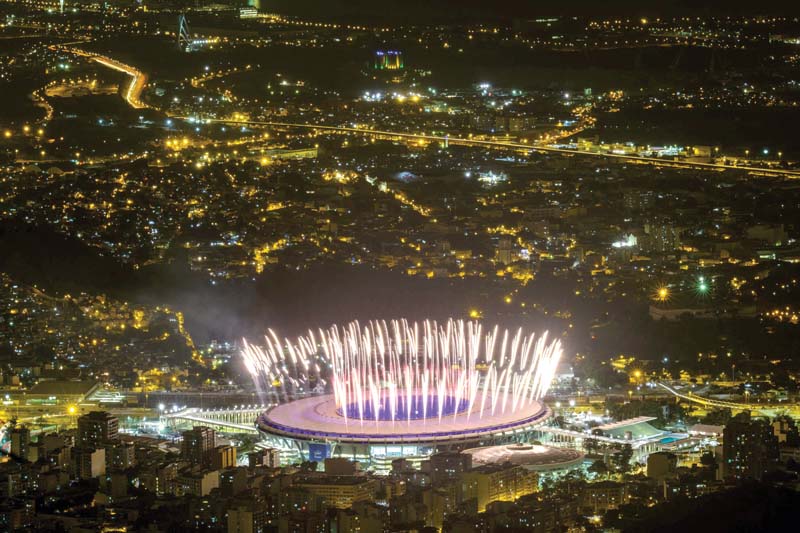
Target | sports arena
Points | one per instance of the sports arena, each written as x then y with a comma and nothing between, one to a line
387,390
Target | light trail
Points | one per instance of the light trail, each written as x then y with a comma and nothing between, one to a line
719,167
394,372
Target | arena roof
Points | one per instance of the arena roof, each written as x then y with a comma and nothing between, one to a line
706,429
317,418
529,456
639,428
63,388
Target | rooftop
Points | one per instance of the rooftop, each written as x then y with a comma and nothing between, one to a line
323,479
63,388
530,456
639,428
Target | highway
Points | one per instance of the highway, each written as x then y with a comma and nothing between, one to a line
766,409
505,145
138,81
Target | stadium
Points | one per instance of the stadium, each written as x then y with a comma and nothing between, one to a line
400,390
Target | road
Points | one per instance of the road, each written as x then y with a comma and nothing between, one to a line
138,81
766,409
504,145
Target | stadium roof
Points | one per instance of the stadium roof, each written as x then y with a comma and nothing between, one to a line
532,457
63,388
639,428
706,429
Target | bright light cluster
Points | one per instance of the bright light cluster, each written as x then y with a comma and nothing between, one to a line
399,371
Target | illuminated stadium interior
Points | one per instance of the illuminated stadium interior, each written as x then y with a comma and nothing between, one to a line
421,407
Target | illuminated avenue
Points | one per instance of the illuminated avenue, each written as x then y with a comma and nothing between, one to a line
139,80
507,146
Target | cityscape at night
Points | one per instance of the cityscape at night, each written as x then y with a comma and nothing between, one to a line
420,266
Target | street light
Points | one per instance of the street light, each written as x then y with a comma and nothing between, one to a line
702,286
662,294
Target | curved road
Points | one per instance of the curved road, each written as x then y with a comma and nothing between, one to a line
133,93
138,81
767,409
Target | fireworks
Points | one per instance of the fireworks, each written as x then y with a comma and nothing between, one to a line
399,371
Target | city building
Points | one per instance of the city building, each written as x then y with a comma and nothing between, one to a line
247,516
498,482
221,457
340,466
339,491
447,466
233,481
662,466
120,455
20,437
88,463
661,236
749,447
97,428
197,443
264,457
196,481
597,498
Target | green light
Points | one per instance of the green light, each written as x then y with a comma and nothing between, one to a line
702,286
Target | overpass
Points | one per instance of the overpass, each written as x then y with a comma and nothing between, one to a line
765,409
239,419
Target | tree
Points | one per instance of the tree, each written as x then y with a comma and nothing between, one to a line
622,458
707,459
709,462
719,417
591,445
599,468
607,377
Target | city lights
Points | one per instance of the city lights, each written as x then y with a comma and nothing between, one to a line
603,200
